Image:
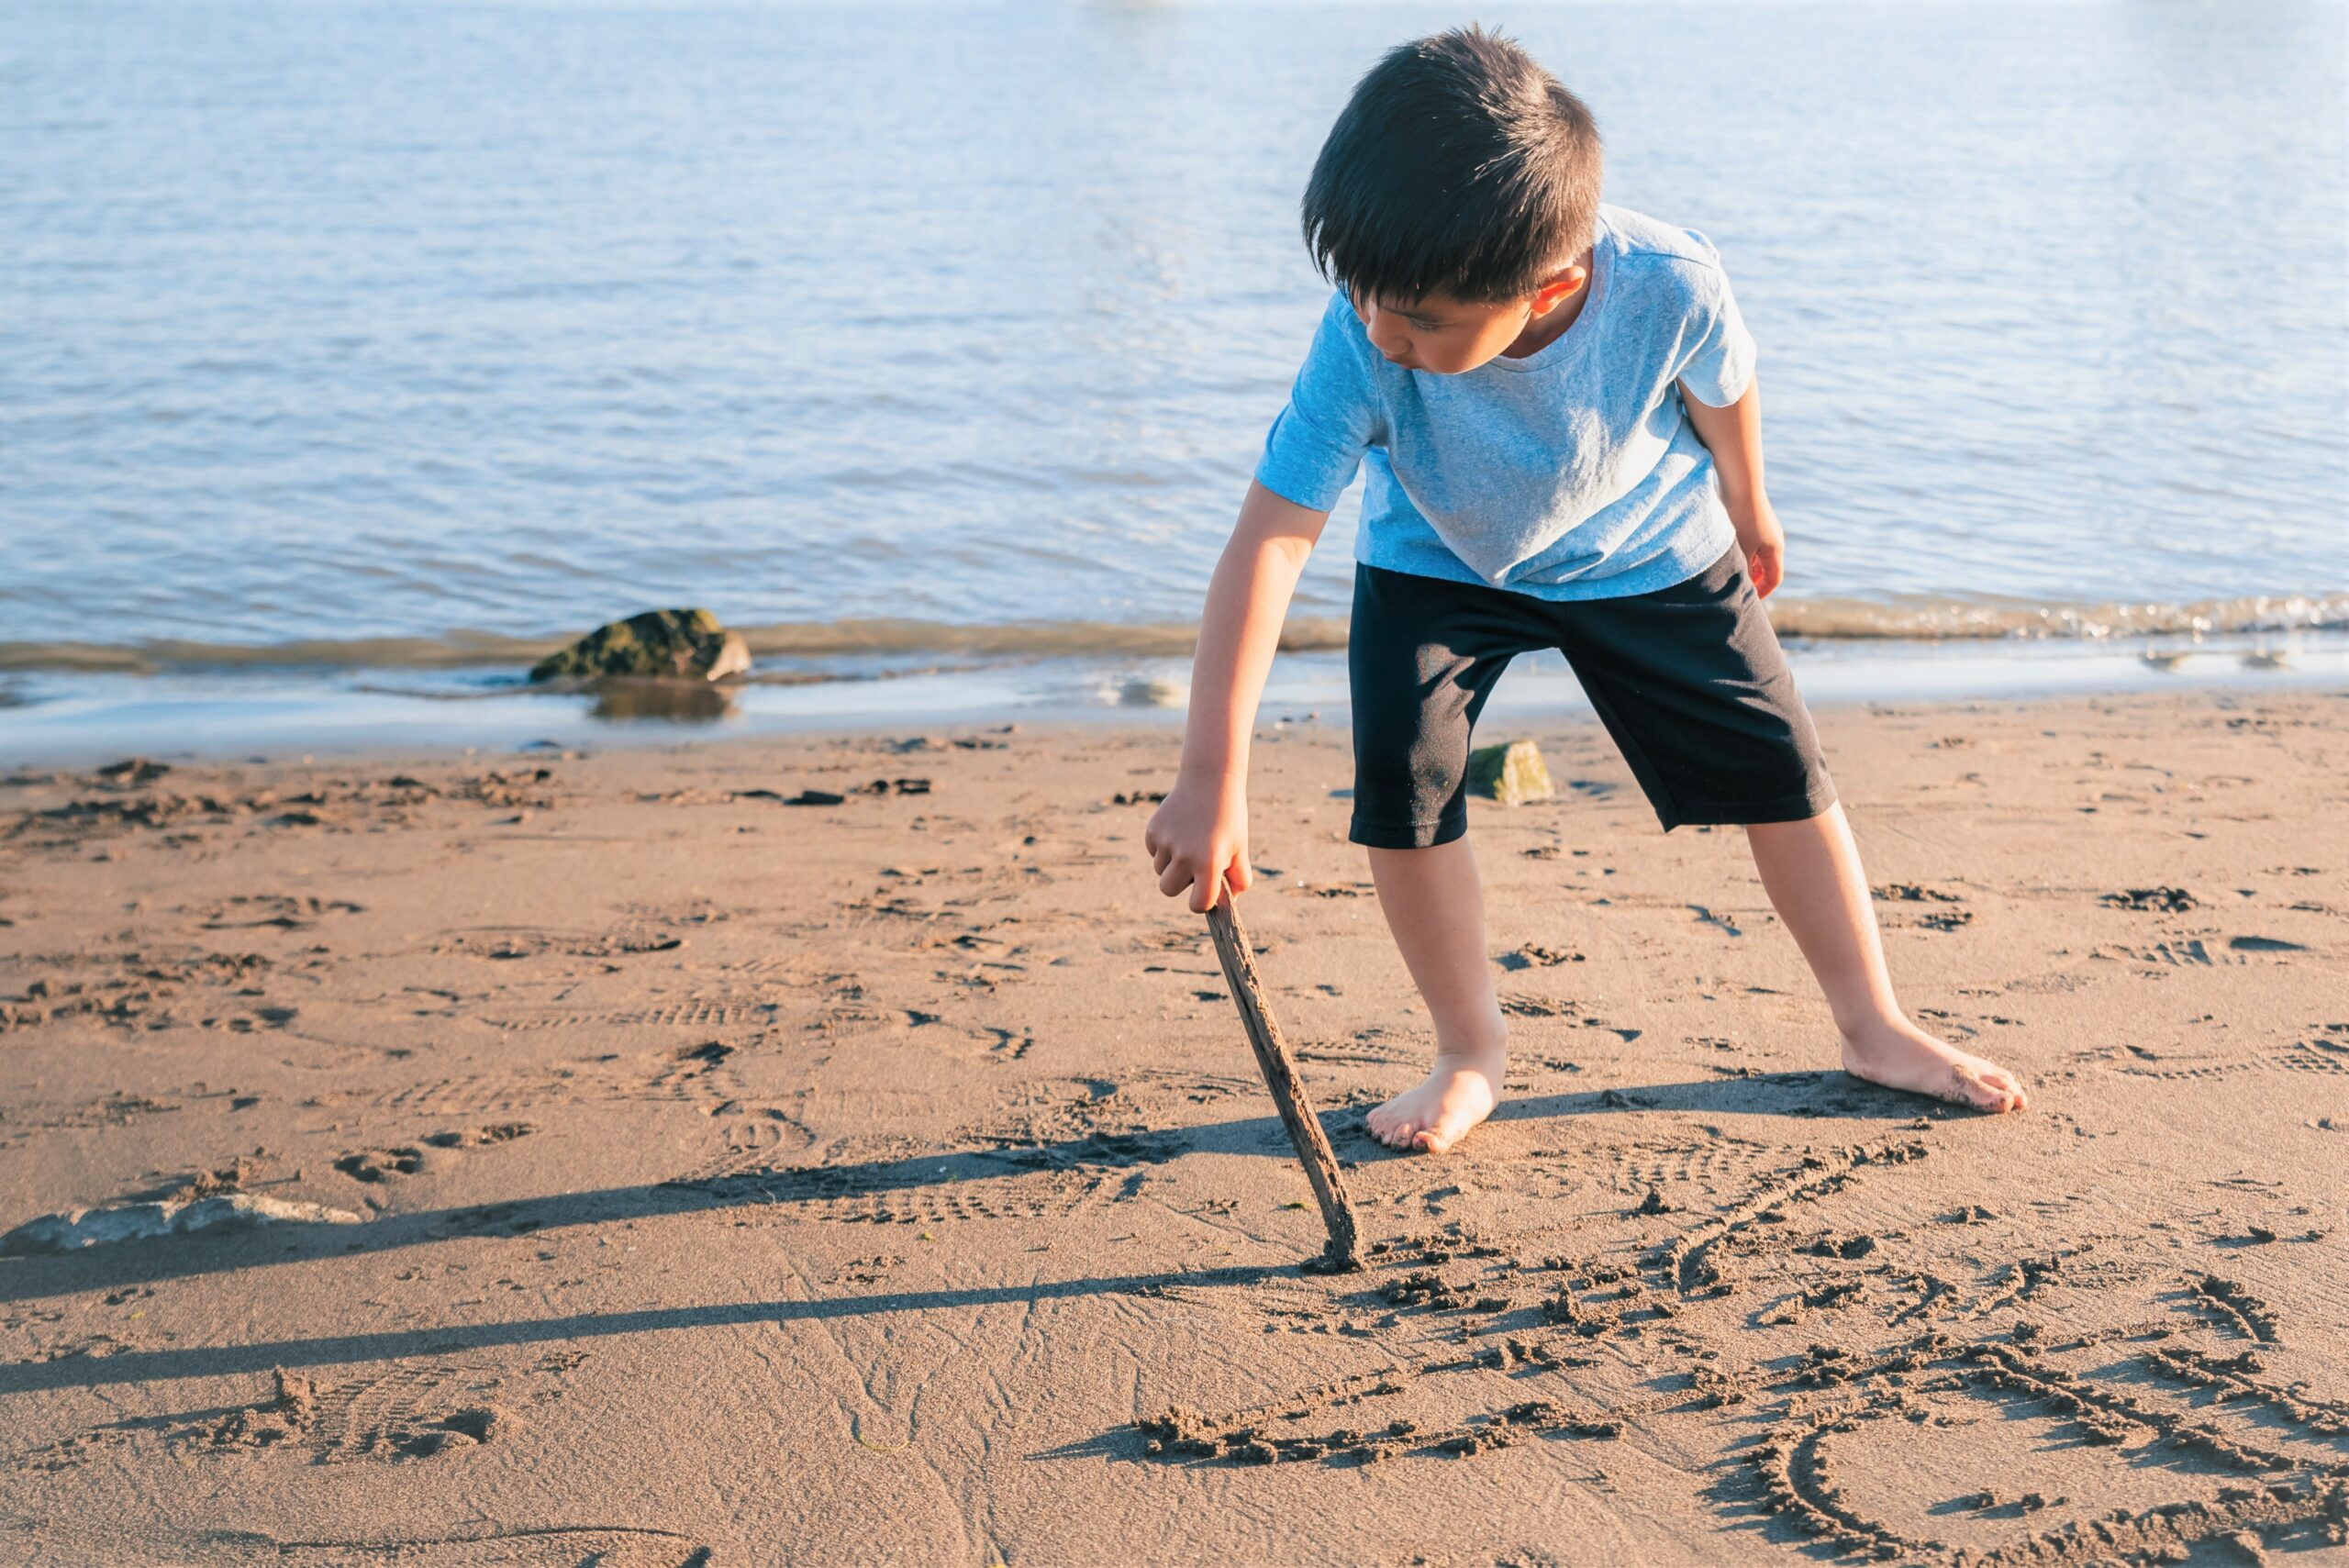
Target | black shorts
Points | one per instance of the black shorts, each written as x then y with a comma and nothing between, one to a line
1689,681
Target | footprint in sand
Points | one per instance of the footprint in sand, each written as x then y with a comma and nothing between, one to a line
378,1165
2152,900
288,912
698,1074
1532,955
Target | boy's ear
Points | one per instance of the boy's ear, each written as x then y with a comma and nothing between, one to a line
1562,285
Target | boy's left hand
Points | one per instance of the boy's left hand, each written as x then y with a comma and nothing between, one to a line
1765,544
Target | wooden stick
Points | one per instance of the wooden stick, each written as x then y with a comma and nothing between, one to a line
1280,1076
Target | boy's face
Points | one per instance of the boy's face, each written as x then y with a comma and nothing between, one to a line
1438,333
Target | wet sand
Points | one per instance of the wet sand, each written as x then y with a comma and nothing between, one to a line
548,1158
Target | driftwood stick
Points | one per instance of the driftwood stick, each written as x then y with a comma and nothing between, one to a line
1280,1076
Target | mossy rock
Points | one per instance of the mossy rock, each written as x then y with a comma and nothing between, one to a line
1511,774
689,645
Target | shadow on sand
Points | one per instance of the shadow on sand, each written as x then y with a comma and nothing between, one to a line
144,1263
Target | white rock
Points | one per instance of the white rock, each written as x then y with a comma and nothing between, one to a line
79,1227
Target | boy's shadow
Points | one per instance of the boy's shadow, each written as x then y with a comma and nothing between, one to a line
1817,1092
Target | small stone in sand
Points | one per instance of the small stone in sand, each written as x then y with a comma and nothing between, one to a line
1512,774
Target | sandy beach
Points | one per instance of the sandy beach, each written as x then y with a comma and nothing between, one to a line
562,1159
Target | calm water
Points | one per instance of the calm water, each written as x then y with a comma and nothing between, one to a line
338,321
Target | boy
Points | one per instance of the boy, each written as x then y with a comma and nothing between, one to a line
1557,405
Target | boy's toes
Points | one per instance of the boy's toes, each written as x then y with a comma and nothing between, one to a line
2007,1087
1439,1139
1993,1090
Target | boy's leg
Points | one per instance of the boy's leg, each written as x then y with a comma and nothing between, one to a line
1435,906
1421,659
1812,871
1692,684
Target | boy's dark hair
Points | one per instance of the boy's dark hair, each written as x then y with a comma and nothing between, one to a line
1458,166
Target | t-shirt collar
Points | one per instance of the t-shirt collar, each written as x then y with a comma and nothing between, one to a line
1568,343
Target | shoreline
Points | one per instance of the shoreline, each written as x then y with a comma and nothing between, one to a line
1308,627
52,718
604,1125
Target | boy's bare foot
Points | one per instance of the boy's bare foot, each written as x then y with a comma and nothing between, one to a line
1458,1093
1899,1055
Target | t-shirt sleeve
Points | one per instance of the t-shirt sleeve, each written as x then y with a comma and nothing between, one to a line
1717,352
1317,441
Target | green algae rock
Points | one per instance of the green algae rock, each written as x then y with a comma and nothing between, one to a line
1511,774
670,644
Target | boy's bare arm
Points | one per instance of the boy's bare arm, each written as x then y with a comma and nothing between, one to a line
1198,838
1733,435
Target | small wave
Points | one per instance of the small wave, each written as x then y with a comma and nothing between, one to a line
1016,639
457,650
1908,620
2016,620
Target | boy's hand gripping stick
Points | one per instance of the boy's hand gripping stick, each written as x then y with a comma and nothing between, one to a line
1280,1076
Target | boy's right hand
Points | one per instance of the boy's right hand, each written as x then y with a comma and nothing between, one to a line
1198,838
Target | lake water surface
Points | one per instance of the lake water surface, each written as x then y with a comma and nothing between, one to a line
380,333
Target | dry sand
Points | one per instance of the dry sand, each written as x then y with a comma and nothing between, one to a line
742,1183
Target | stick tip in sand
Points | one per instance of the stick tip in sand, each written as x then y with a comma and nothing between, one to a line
1343,1252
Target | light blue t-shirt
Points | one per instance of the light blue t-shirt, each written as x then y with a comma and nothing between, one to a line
1571,473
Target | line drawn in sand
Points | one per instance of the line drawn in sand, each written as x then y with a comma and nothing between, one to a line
547,1546
1791,1472
2262,1461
